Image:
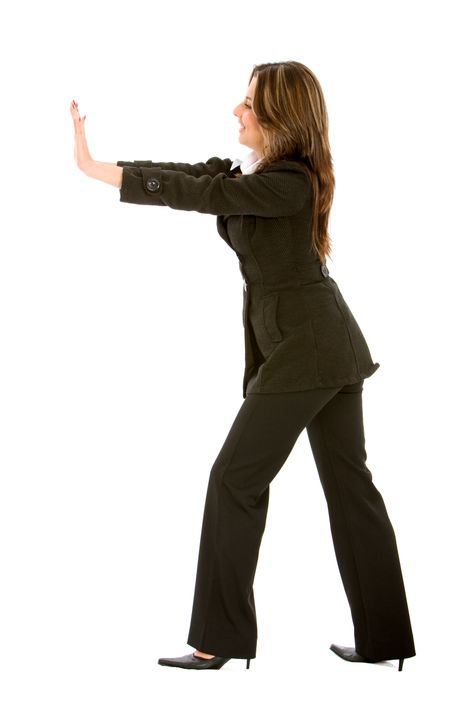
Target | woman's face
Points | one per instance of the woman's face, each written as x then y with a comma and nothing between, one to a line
250,132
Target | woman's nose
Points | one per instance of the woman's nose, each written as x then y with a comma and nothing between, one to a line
237,111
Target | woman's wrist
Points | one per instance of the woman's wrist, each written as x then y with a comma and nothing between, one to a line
84,164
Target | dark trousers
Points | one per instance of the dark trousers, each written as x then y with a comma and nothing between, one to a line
260,439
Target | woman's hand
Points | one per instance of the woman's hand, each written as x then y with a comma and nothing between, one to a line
82,156
108,172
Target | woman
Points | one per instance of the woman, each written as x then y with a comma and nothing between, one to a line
305,363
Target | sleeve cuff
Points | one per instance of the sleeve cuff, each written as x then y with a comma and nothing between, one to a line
141,185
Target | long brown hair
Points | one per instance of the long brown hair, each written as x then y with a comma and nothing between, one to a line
290,107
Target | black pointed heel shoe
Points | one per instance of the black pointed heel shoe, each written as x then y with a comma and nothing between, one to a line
349,654
193,662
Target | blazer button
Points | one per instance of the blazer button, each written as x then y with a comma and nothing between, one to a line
153,185
324,269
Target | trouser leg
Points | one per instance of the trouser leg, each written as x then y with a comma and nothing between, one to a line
362,533
261,437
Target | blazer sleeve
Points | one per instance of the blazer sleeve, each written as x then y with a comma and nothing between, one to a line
280,190
211,167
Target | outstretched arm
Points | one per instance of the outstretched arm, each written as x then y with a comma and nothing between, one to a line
211,167
282,189
108,172
112,172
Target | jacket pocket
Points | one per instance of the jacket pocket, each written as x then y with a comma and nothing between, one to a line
270,304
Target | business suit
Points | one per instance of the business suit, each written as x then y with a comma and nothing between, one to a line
299,332
305,363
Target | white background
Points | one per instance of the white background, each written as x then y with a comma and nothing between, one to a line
122,349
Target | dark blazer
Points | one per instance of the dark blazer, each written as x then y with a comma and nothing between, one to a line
299,332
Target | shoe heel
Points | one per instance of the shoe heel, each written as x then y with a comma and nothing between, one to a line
400,664
248,663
